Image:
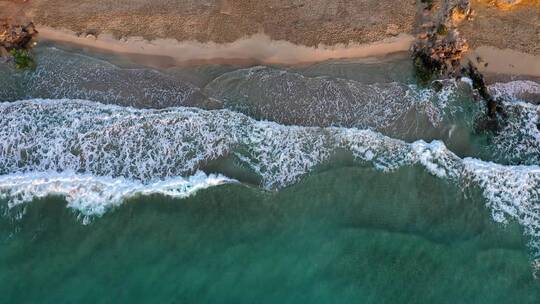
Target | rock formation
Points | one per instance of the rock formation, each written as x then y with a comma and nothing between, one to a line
15,37
439,47
15,40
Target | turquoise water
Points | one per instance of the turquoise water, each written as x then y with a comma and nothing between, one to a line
344,235
347,234
316,215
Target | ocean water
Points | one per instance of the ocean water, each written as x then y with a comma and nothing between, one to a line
337,182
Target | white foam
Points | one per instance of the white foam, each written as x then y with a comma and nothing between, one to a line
519,139
143,149
94,195
61,74
433,157
514,89
511,192
467,80
328,101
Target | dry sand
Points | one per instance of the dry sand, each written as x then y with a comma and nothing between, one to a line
505,61
517,29
304,22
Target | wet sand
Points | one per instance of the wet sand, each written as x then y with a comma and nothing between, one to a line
258,48
261,48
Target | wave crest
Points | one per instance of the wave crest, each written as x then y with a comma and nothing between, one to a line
92,195
148,147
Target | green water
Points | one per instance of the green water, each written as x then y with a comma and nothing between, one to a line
345,235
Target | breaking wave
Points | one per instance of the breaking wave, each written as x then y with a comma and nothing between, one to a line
149,149
518,142
396,109
92,195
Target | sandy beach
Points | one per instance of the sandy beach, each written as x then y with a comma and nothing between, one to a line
259,48
163,33
517,28
505,61
307,23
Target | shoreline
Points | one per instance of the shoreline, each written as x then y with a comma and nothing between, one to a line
261,49
258,48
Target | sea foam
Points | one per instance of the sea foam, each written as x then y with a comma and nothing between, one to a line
92,195
518,142
62,74
519,89
145,148
393,108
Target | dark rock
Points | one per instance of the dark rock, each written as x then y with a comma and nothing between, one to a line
439,48
16,36
15,42
437,86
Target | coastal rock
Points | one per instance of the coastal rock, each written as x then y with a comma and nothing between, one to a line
439,48
16,36
438,51
440,54
458,15
428,25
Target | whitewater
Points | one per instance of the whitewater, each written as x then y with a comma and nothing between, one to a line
96,156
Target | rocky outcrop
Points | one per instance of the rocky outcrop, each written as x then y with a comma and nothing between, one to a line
439,47
15,40
15,36
493,107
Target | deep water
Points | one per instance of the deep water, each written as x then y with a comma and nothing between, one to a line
339,182
344,235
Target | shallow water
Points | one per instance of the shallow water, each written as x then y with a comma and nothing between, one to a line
166,186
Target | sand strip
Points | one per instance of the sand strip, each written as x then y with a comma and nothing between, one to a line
258,48
507,61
